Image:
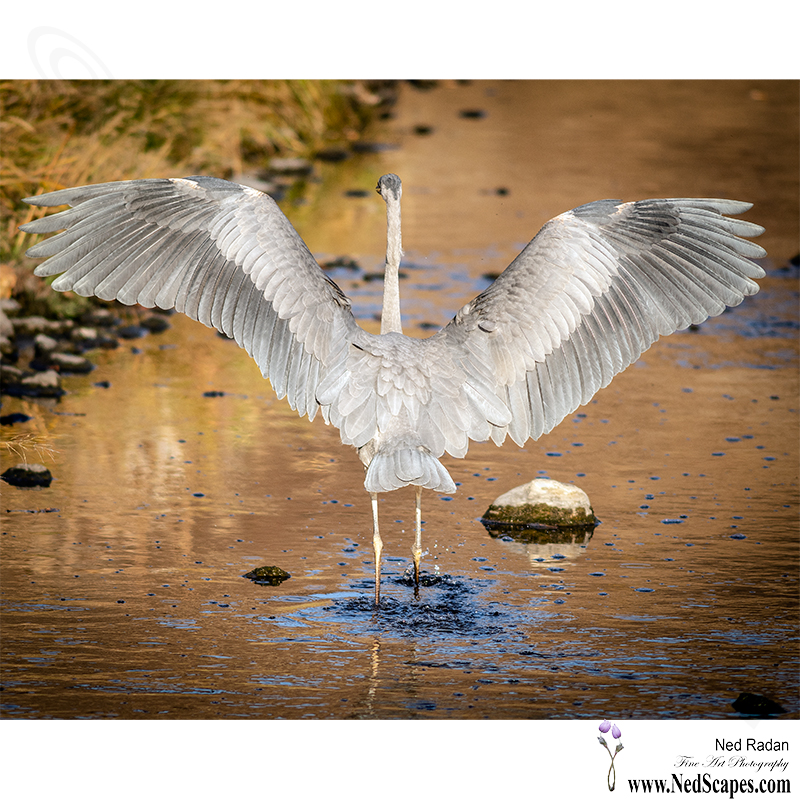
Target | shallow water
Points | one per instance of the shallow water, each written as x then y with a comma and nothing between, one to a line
126,598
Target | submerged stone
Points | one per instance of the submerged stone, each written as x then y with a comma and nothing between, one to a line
102,317
67,362
268,575
28,475
756,705
13,419
132,332
42,384
156,323
542,504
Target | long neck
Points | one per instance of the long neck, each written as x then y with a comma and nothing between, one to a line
390,318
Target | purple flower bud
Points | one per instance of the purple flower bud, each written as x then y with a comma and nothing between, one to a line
616,732
605,726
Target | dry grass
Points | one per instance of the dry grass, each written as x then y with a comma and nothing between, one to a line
55,134
20,445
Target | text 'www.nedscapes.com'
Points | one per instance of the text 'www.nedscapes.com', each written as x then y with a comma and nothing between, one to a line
705,784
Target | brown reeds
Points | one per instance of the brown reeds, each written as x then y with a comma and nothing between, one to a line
55,134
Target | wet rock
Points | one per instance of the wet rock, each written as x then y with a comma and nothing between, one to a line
423,84
31,326
32,510
100,318
332,154
155,323
132,331
372,147
291,166
7,346
40,364
69,363
542,503
19,384
9,305
756,705
85,338
13,419
83,334
10,374
341,263
44,344
27,475
268,576
472,113
6,327
103,341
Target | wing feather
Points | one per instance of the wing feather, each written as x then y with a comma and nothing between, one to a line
222,253
590,293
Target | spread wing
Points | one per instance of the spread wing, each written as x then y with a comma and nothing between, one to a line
222,253
590,293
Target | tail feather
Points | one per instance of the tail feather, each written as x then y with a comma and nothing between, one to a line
391,469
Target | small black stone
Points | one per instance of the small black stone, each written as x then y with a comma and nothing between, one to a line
268,575
332,154
28,475
132,332
13,419
756,705
155,324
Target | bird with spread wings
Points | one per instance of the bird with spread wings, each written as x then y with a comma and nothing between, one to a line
583,300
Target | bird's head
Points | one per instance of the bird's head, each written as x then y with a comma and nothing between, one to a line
389,186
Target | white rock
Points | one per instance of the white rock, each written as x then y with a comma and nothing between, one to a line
544,490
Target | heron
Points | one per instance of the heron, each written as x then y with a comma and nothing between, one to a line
595,288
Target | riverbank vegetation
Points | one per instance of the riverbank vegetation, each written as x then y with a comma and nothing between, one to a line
56,134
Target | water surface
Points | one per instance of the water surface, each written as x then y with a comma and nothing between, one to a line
126,599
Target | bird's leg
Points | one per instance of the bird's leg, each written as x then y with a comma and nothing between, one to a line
377,546
416,550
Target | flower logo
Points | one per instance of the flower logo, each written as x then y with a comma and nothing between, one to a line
605,727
